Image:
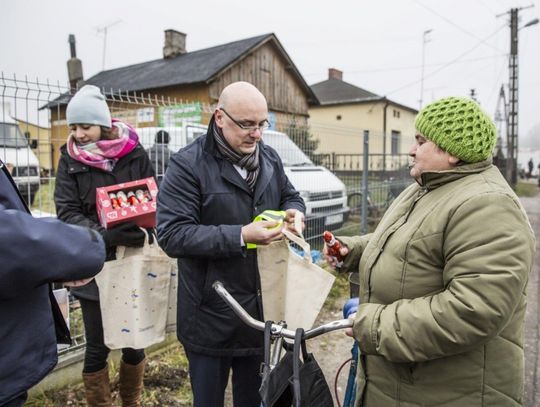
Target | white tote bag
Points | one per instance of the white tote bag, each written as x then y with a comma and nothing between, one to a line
134,296
293,288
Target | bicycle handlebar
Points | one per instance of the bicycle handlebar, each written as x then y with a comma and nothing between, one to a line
277,329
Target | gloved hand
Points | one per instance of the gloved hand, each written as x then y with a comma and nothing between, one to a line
125,234
351,306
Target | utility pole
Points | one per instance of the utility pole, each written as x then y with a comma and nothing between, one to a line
104,29
512,130
512,118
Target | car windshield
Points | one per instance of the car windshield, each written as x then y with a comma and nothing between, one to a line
290,153
11,136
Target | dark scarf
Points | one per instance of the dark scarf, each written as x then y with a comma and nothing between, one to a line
248,161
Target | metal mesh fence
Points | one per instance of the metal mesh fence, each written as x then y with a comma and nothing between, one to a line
325,163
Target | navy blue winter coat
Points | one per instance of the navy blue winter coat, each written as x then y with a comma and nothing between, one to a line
34,253
202,205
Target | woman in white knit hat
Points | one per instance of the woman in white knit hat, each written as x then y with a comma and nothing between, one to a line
100,151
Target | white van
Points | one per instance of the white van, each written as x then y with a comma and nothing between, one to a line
325,194
18,157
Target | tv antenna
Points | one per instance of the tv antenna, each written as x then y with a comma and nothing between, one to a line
104,30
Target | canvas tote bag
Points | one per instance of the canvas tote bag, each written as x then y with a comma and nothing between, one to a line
293,288
134,296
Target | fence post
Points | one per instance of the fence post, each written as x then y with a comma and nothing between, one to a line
365,191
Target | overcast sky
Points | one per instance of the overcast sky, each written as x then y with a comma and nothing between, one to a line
377,44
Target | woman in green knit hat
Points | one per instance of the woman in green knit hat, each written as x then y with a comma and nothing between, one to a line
443,277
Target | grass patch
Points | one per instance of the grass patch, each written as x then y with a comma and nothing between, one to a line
526,189
44,199
166,383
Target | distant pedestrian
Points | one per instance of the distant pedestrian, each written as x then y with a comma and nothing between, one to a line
160,154
531,166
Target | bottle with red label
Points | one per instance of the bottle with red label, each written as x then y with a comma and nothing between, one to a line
142,196
122,199
132,199
114,200
333,246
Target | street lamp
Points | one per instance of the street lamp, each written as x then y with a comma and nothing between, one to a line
424,41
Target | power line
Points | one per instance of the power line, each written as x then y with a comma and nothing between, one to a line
409,67
453,61
456,25
486,6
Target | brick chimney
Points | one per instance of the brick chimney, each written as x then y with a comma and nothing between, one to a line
334,73
175,44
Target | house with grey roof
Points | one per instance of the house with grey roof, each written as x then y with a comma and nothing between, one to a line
199,76
344,111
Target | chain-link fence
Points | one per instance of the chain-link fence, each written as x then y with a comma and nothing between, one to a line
328,174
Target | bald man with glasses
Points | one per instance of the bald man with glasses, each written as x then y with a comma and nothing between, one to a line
212,191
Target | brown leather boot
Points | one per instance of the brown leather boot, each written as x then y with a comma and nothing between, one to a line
97,388
131,383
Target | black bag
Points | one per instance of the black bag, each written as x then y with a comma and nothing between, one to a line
292,381
309,385
275,390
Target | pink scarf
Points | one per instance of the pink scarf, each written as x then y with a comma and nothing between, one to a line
104,154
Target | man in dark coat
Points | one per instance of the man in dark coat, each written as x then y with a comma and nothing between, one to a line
33,254
208,199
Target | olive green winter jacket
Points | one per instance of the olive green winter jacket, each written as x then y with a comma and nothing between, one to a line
442,288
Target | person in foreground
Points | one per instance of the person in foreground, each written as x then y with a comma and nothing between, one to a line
33,254
443,277
212,191
100,151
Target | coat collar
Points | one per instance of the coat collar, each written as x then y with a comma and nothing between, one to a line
435,179
230,174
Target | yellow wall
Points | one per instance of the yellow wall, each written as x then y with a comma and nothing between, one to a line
44,145
345,136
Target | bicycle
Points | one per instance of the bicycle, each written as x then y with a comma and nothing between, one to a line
276,333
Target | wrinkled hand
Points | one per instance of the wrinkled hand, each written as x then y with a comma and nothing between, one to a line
263,232
349,331
77,283
290,215
330,259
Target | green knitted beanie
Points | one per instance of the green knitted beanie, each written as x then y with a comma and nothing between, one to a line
459,127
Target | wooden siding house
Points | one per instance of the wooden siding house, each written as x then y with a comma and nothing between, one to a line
198,76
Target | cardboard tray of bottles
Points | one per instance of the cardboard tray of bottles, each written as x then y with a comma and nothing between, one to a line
133,201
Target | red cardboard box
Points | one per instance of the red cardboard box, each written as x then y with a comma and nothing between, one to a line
142,214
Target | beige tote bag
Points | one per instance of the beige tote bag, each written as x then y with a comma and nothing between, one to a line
134,296
293,288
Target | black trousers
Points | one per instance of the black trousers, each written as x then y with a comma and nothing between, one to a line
95,356
16,402
210,375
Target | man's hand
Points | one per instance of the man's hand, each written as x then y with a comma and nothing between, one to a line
77,283
330,259
263,232
290,215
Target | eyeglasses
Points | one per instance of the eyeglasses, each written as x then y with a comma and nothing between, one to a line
265,124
